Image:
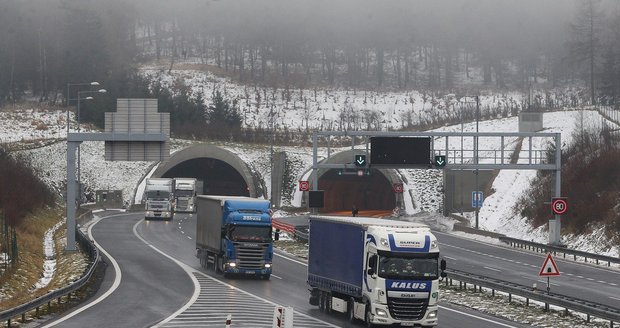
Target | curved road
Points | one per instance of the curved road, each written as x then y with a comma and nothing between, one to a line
155,289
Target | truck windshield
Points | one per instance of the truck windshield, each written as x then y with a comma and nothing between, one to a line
184,193
250,233
419,267
157,194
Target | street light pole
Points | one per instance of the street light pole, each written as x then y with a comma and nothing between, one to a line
68,99
79,100
476,159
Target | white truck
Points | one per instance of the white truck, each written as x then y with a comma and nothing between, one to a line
383,272
185,195
159,198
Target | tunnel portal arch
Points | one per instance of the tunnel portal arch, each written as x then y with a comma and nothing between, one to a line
222,172
366,192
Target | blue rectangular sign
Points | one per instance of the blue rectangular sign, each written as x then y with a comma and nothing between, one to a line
476,199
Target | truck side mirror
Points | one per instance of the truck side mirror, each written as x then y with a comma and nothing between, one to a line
442,265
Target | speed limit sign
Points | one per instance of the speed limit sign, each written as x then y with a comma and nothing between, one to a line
559,205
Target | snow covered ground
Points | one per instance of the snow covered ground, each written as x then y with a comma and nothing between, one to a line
422,193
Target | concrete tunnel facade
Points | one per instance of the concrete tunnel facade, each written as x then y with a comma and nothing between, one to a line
225,173
366,192
222,172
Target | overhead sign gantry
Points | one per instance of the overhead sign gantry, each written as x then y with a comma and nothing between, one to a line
136,132
449,150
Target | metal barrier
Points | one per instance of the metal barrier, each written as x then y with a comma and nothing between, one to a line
529,293
21,310
544,248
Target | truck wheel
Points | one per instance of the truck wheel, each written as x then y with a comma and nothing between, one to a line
368,316
322,302
351,311
265,276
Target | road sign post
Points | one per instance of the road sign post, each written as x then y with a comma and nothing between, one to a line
549,269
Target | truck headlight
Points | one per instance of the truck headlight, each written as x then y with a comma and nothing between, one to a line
432,315
267,265
433,244
381,313
232,264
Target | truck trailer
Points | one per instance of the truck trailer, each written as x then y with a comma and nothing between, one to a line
383,272
159,198
234,235
184,195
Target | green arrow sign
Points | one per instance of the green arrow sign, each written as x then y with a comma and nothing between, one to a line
440,160
360,160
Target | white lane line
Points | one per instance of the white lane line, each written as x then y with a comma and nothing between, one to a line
440,306
188,237
477,317
611,283
277,277
183,266
552,284
117,278
614,298
450,258
493,269
197,286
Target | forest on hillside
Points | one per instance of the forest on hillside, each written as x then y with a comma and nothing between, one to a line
451,45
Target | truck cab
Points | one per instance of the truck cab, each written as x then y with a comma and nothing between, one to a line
401,278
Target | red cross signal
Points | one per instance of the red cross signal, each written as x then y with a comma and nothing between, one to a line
559,205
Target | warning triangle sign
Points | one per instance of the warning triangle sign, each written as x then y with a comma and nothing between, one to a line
549,268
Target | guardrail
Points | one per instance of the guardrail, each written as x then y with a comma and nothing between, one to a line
568,303
21,310
543,248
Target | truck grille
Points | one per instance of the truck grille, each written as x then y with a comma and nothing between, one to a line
182,203
251,256
407,308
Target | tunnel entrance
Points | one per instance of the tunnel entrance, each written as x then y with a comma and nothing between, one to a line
368,192
219,178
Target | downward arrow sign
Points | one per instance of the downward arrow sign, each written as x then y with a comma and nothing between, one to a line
360,161
440,161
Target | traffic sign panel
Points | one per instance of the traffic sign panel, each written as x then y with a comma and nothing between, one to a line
559,205
476,199
398,188
304,186
360,160
549,268
440,160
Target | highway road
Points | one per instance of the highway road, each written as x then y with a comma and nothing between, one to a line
593,283
162,283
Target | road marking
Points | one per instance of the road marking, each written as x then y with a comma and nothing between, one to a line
550,283
614,298
277,277
450,258
493,269
117,278
188,237
197,287
183,266
477,317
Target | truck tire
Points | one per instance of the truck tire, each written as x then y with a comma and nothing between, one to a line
367,317
322,302
265,277
351,310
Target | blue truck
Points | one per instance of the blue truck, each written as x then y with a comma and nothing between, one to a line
380,271
234,235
